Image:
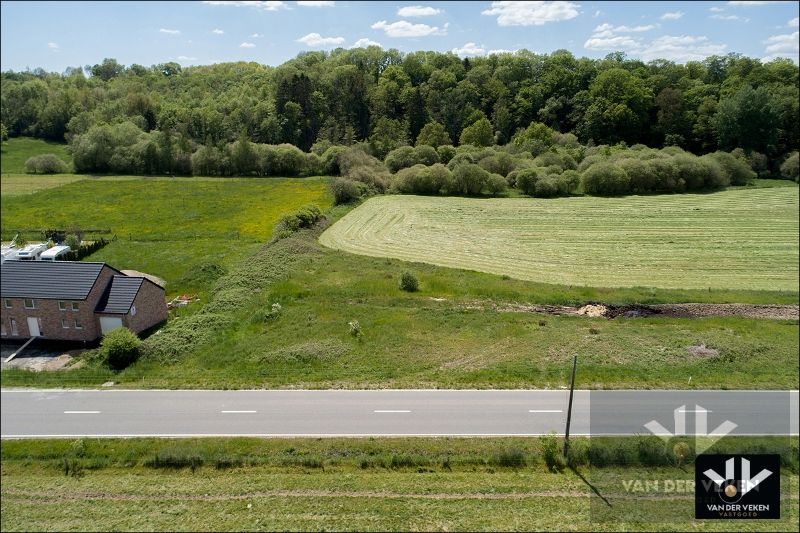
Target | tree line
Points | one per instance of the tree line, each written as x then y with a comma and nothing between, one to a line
388,99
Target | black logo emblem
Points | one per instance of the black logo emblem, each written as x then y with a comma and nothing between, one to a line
737,487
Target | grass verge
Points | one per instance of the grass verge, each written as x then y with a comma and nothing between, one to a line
344,484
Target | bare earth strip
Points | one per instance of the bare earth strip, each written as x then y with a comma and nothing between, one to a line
738,239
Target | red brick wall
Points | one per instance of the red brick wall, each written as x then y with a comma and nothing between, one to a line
50,315
151,308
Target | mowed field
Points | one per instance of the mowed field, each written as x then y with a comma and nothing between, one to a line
736,239
165,226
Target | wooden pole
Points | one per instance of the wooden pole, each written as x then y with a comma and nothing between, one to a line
569,409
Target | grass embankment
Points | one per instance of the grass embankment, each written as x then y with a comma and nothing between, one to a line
743,239
449,334
352,484
168,226
15,151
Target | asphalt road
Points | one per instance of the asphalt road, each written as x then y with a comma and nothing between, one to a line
272,413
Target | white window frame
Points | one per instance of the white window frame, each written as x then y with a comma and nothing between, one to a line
78,324
64,323
32,301
14,328
8,303
62,305
76,306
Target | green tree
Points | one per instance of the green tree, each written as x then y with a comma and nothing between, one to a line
433,134
478,134
747,120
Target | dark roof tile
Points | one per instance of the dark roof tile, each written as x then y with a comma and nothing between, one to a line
64,280
119,295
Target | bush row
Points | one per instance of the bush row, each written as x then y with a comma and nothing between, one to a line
45,164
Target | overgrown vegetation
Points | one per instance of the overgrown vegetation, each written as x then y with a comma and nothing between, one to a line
120,348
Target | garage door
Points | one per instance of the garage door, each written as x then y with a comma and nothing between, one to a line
109,323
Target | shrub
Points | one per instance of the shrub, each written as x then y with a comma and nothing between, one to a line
120,348
45,164
551,453
305,217
546,187
496,184
526,180
399,158
409,282
790,169
502,163
433,134
330,160
344,191
605,179
446,153
374,178
461,158
469,179
568,182
356,157
640,173
420,179
738,172
426,155
511,458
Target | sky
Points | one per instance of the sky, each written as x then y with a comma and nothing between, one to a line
57,35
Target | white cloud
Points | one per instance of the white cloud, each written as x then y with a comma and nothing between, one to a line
256,35
716,9
317,40
185,58
403,28
681,48
786,45
500,51
217,31
265,5
171,32
675,48
754,3
531,13
794,23
611,44
729,17
597,14
417,11
52,46
469,49
247,45
364,42
608,30
321,3
673,15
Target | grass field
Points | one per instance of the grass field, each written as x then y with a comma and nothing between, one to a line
744,239
455,332
343,484
17,150
167,226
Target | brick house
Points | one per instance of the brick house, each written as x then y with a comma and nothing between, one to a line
75,300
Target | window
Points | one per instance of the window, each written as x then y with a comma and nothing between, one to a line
78,324
62,305
30,303
75,306
14,330
7,303
65,323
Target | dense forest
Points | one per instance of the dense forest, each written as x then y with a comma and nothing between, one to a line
206,119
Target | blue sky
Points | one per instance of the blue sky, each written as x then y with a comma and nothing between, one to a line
55,35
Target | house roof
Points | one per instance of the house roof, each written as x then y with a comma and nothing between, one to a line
58,280
119,295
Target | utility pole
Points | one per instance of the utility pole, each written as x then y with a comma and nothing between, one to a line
569,409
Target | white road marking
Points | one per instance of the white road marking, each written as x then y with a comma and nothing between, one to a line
81,412
391,411
545,411
238,411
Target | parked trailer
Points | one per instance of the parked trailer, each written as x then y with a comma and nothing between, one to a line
31,252
54,253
